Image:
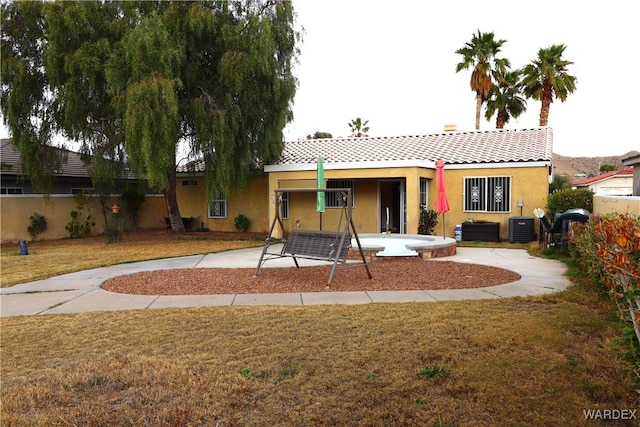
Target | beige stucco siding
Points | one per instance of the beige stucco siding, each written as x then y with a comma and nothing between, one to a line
16,210
250,201
366,202
528,184
257,202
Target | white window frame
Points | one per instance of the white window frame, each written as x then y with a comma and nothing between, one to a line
490,194
284,205
218,207
424,193
11,191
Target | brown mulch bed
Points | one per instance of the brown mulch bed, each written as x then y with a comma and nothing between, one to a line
388,275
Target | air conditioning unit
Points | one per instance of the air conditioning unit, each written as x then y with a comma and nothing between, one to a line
521,229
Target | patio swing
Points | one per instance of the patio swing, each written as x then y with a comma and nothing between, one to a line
330,246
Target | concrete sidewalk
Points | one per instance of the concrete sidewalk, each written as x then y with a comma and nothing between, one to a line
81,292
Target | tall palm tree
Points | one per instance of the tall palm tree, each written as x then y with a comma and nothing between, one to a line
506,98
546,78
358,127
481,54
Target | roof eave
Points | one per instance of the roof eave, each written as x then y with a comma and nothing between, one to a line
404,164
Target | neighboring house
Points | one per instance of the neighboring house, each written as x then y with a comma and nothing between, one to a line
612,183
73,177
634,162
19,200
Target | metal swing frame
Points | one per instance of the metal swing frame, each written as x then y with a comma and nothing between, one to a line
314,244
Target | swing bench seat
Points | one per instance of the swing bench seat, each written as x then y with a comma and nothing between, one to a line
321,245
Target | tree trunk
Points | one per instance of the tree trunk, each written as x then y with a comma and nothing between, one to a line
478,108
171,199
501,119
546,104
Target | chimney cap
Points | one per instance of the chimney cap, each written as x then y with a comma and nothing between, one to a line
450,128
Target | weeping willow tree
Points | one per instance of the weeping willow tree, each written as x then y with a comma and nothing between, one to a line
132,81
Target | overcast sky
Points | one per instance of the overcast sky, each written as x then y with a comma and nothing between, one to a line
393,63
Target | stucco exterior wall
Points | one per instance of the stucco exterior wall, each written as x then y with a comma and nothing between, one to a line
256,201
16,210
529,184
618,204
251,201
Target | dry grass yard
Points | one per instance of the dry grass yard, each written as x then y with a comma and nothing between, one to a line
536,361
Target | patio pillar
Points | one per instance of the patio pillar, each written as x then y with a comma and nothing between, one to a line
412,202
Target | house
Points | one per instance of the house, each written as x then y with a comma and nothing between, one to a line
490,176
19,200
73,178
612,183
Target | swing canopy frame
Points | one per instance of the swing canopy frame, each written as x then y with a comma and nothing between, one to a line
330,246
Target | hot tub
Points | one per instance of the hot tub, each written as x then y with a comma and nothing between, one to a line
403,245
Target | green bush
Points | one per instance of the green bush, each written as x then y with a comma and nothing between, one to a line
38,225
242,223
80,223
561,200
428,221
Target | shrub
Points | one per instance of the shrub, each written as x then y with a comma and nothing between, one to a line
428,221
242,223
38,225
559,183
561,200
80,223
608,250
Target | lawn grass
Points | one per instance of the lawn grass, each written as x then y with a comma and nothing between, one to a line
48,258
535,361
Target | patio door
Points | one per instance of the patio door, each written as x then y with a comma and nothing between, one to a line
391,206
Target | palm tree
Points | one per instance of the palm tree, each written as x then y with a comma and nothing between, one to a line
506,98
546,78
358,128
481,54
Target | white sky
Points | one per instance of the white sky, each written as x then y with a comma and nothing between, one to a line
393,63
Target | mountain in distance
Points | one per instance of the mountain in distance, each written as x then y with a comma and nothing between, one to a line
584,166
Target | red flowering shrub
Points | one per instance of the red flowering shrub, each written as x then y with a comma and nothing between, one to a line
608,250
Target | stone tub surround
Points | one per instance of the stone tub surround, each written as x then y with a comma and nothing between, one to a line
429,246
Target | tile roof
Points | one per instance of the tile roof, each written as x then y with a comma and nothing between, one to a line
191,167
73,167
475,147
603,176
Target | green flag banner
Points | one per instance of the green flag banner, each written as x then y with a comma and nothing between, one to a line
320,200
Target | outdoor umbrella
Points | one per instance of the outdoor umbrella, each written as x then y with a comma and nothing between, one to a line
442,204
320,196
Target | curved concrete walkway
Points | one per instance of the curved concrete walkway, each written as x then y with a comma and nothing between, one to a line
81,292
